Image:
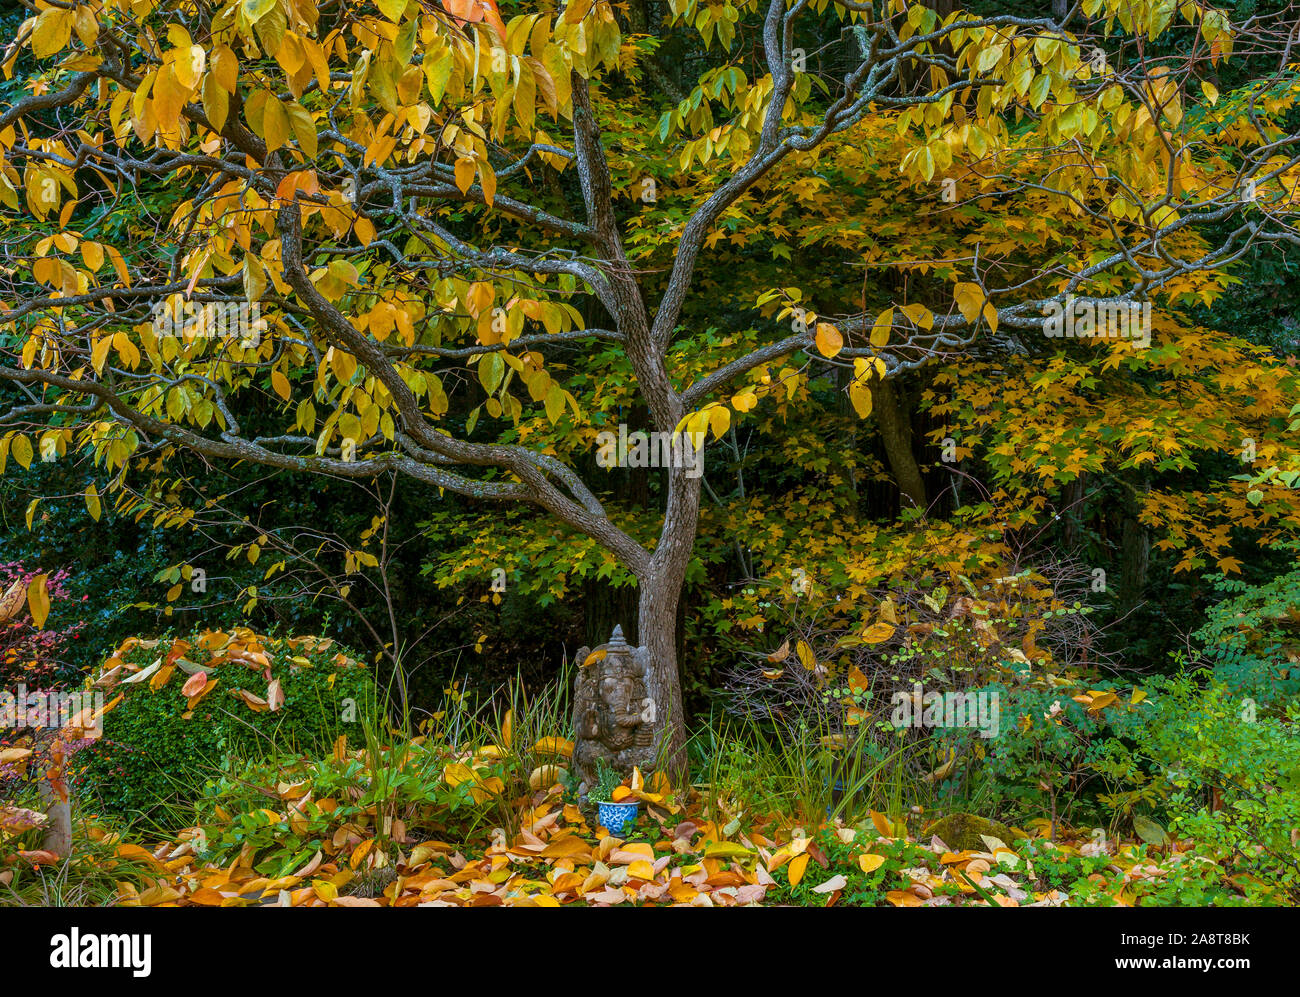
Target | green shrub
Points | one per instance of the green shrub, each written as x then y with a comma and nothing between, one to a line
157,752
1235,777
1062,760
1191,879
280,812
473,770
1252,636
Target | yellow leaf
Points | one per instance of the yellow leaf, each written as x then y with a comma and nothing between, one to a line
507,729
858,682
877,633
641,869
943,771
880,331
99,354
727,850
275,124
719,421
744,401
93,255
860,396
280,384
991,316
797,867
554,746
92,502
970,299
569,847
545,776
869,862
882,824
828,339
902,898
919,315
360,852
21,449
38,600
464,174
52,32
456,773
806,656
1101,702
364,229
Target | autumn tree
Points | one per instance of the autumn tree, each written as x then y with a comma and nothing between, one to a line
397,237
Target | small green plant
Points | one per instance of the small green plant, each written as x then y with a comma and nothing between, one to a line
607,780
1055,868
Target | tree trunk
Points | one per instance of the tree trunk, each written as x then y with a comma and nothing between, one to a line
604,605
1072,514
896,434
659,593
1135,546
657,621
58,834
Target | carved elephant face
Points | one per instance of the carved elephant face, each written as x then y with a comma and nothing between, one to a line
620,694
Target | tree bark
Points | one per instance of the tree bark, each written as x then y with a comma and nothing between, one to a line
605,605
58,835
896,435
1135,545
659,592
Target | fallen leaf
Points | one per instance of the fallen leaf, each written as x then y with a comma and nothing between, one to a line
831,885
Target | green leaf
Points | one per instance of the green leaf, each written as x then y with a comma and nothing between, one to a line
491,368
1149,831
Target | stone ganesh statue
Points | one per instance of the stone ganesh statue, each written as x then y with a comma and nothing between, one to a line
614,715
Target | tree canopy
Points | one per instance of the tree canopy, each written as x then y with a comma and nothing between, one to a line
458,242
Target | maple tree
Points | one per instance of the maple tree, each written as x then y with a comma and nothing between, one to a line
445,235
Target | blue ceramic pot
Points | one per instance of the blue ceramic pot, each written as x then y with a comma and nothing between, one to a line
616,817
